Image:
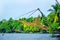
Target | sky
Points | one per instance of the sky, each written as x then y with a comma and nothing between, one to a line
16,8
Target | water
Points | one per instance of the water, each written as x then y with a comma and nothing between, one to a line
20,36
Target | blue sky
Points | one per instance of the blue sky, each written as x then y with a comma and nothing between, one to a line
16,8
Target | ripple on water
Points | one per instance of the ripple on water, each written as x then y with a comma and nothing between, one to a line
18,36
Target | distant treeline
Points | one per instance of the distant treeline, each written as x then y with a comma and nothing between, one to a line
52,21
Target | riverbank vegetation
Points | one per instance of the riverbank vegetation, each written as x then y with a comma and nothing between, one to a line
26,25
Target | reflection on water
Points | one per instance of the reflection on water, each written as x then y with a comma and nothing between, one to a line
57,36
20,36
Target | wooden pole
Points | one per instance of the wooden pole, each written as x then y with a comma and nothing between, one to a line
57,2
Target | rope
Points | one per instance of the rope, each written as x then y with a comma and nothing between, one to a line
32,13
28,12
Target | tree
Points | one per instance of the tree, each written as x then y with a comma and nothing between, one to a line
54,17
4,27
31,19
56,11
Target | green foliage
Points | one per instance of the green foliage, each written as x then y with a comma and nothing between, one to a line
54,25
52,21
44,21
31,29
55,7
53,18
22,19
31,19
4,26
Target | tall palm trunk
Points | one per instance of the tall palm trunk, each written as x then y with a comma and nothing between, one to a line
57,1
56,18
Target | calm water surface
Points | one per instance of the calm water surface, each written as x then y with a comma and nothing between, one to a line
20,36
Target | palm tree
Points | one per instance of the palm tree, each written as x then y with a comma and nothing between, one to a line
54,16
56,11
